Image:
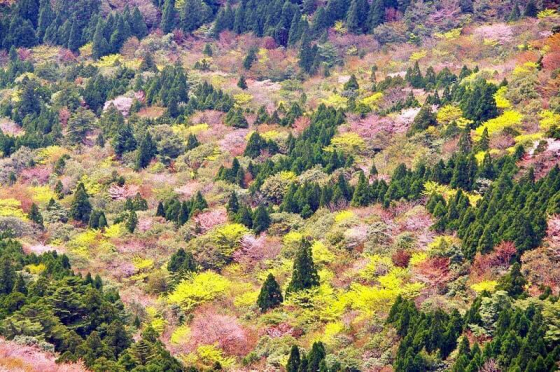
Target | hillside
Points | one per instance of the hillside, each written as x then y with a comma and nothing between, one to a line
280,186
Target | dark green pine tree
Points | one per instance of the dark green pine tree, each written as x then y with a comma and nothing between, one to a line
160,211
376,14
244,216
168,16
514,282
80,208
7,275
131,221
484,141
75,39
232,206
194,14
242,83
531,9
424,119
352,83
306,54
46,18
146,151
466,6
515,13
261,219
124,140
100,46
316,356
35,215
270,295
465,141
249,59
254,145
353,18
192,142
207,50
304,274
137,24
294,360
362,194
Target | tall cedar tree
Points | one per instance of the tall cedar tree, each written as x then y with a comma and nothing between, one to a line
304,274
80,208
294,360
270,295
146,151
261,219
168,16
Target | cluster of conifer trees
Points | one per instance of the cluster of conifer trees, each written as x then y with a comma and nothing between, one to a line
78,316
518,334
180,212
70,24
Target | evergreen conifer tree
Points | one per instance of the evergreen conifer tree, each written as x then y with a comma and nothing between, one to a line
35,215
80,208
131,221
146,151
168,16
294,360
270,295
304,274
261,219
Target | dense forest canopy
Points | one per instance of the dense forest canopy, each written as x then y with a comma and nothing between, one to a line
305,186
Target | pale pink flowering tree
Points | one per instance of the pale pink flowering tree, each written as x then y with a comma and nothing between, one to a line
209,328
117,192
255,249
208,219
31,358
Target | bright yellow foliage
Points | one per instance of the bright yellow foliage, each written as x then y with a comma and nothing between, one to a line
529,138
348,143
507,119
321,253
548,119
92,187
449,35
246,299
500,97
546,13
372,100
525,69
228,236
36,269
448,113
142,263
201,288
292,238
242,99
114,231
331,330
109,61
343,216
287,176
11,208
376,262
50,154
180,335
41,194
339,27
417,258
416,56
487,285
209,355
335,100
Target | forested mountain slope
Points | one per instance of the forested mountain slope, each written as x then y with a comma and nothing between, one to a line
280,185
